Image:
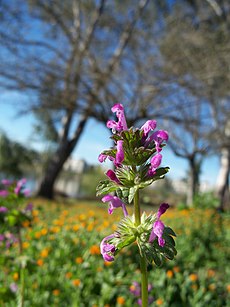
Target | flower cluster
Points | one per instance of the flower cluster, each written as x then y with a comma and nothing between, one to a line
135,289
12,213
136,157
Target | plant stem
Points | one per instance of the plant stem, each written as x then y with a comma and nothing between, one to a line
22,289
143,265
137,211
22,272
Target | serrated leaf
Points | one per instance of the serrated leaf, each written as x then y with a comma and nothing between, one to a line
169,240
157,259
160,174
132,192
105,187
169,253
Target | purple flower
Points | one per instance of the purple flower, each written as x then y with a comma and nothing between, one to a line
163,208
158,226
10,239
13,287
3,193
114,202
135,288
2,237
107,249
3,209
120,153
159,137
150,301
155,163
112,176
19,185
6,182
121,124
29,207
148,126
26,192
102,158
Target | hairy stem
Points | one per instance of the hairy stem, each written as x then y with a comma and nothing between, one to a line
143,265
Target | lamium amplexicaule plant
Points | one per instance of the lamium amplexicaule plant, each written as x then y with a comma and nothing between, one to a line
136,156
13,216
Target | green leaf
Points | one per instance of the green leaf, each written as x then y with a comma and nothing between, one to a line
160,174
132,192
157,259
169,253
169,231
105,187
169,240
126,242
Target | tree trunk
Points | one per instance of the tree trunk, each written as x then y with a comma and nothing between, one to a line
57,161
193,185
223,179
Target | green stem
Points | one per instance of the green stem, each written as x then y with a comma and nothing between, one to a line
22,289
143,265
22,272
137,211
144,281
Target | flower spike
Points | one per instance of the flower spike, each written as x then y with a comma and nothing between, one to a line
121,124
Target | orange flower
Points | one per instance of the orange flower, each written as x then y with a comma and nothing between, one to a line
55,229
44,253
56,292
68,275
105,224
90,227
228,288
25,223
176,269
40,262
169,273
159,301
65,212
25,245
79,260
37,234
35,213
211,273
76,282
95,250
76,227
15,276
91,213
44,231
193,277
106,263
82,217
120,300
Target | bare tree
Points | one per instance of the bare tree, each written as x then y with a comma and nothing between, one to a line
196,51
75,59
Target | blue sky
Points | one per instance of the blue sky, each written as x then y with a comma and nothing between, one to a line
94,140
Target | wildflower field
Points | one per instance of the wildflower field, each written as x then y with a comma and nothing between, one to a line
67,269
